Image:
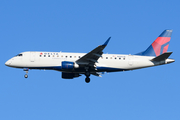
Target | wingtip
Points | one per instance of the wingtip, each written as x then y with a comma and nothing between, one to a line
107,41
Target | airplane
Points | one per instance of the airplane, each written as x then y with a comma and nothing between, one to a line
73,65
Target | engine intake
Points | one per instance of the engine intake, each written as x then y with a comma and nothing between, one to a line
66,65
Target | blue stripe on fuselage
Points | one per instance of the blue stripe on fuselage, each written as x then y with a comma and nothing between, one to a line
98,69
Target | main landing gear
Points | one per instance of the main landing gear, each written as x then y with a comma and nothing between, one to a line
87,80
26,70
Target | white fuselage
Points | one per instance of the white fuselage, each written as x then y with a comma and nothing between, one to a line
106,63
94,62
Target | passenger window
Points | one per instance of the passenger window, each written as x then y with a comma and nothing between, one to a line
106,57
79,57
48,55
119,58
44,55
40,55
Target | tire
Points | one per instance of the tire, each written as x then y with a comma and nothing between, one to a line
26,76
87,80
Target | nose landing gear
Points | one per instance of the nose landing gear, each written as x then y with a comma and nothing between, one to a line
26,76
26,70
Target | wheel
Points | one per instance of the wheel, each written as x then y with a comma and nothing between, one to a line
26,76
87,80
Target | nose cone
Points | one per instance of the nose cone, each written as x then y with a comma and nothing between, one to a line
8,63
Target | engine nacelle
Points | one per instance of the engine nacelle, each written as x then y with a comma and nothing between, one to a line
66,65
69,75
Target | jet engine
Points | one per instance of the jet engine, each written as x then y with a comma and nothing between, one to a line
66,65
69,75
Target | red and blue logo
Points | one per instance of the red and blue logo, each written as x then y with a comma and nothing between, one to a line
159,46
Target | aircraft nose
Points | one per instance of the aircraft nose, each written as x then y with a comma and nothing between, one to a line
7,63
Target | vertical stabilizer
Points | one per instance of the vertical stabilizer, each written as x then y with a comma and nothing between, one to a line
159,46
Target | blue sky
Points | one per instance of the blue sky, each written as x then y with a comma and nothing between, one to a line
80,26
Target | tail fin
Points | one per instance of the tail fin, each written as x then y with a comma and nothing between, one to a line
159,46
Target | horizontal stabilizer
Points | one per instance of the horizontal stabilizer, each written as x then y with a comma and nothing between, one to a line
161,57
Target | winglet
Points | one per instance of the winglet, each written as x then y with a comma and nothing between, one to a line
106,41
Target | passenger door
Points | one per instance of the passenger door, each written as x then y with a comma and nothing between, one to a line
130,60
32,56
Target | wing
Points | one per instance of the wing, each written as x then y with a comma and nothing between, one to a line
98,74
92,57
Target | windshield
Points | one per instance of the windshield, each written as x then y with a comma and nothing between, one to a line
19,55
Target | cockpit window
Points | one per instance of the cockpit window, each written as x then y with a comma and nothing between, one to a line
19,55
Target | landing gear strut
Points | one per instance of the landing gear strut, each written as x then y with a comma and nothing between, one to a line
87,80
26,70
